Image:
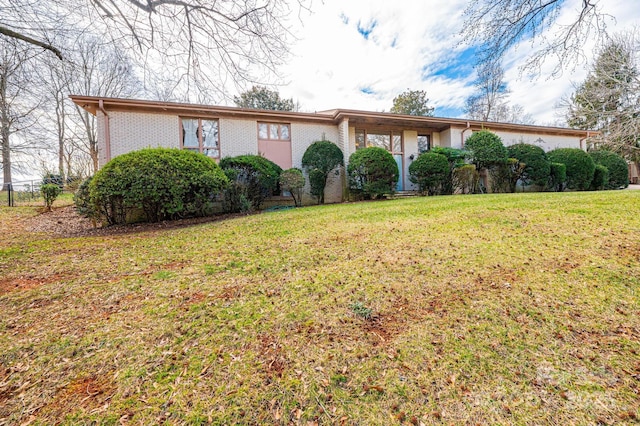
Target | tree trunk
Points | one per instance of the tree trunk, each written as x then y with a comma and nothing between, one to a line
4,133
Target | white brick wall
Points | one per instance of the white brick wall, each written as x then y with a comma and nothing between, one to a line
546,142
132,131
238,137
304,134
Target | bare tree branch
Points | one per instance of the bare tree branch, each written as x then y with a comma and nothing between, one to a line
9,33
495,26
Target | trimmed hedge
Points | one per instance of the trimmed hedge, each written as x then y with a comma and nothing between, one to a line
537,166
164,183
557,177
320,159
466,179
600,178
253,177
429,171
617,166
580,166
455,157
485,150
373,172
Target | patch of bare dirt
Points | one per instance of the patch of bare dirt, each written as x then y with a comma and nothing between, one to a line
89,394
27,283
65,222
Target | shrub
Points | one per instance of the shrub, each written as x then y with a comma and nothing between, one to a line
234,198
164,183
455,157
600,178
466,178
82,200
429,171
255,177
53,179
557,176
504,177
617,166
372,172
324,157
485,150
292,180
580,166
537,166
317,183
50,192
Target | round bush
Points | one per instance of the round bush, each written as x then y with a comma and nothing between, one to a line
164,183
617,166
372,172
537,166
256,176
600,178
485,150
324,157
429,171
580,166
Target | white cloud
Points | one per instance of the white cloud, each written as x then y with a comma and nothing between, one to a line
410,41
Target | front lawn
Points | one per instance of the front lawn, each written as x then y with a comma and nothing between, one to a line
493,309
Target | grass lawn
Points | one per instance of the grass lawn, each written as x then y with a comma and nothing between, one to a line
495,309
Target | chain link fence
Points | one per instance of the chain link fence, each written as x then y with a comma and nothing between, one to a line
21,193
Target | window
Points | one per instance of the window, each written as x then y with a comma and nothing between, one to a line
200,135
424,143
274,132
391,141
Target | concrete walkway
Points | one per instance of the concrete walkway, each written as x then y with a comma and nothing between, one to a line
635,187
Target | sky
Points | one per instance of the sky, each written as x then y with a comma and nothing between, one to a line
360,54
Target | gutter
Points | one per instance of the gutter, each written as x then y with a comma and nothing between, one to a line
107,133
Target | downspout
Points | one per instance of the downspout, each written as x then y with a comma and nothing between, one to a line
107,134
462,135
582,141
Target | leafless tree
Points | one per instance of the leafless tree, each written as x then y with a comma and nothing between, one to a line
609,98
93,68
17,104
212,43
97,69
489,102
498,25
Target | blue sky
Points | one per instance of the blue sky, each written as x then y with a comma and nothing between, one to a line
361,54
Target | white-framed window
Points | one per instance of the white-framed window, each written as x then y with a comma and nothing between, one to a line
200,135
